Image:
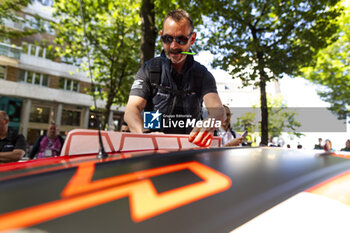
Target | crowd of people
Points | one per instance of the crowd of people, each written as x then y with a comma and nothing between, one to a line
13,145
327,145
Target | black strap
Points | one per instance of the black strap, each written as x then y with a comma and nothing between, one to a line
233,133
155,71
175,92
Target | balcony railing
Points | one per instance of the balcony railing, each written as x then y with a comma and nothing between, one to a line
19,25
10,51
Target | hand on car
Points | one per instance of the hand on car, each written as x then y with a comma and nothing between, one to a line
201,136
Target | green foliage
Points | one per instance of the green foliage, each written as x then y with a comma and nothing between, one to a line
8,9
248,121
281,119
258,41
332,69
285,33
113,38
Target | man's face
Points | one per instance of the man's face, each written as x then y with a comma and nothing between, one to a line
124,128
3,123
177,29
52,131
347,143
228,118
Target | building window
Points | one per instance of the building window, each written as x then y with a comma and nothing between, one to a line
48,28
32,22
39,114
50,53
70,117
71,61
40,51
33,78
69,84
5,40
45,2
33,50
2,72
25,47
36,23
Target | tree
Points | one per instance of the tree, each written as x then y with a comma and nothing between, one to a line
248,121
112,39
332,70
259,41
281,119
8,10
148,29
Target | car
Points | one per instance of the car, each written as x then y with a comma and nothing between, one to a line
162,183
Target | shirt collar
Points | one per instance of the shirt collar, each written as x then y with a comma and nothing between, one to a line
9,134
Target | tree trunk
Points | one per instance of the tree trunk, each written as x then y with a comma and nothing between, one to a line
149,31
264,111
106,112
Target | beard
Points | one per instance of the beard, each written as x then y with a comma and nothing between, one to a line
176,60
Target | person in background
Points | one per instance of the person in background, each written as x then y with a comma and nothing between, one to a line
328,146
319,145
12,145
229,137
300,146
125,127
49,145
347,146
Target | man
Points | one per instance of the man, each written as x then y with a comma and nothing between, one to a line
49,145
228,136
124,128
175,84
319,145
12,145
347,146
328,146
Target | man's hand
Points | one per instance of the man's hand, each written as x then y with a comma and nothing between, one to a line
201,136
12,156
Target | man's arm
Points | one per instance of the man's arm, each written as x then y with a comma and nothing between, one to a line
213,104
203,136
12,156
133,112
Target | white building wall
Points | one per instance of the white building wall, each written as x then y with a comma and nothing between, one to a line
30,91
42,65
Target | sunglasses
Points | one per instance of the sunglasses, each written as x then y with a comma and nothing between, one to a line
182,40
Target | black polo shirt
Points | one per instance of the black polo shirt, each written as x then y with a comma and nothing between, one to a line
12,141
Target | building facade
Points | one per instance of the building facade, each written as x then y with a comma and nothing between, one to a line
37,87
